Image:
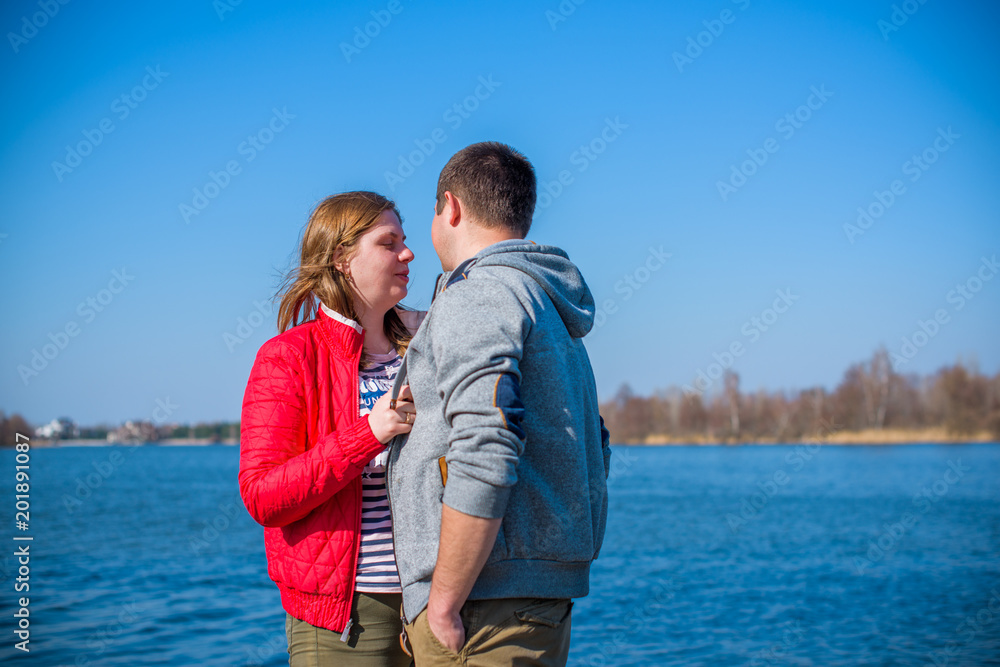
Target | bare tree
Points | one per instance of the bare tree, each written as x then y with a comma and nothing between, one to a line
732,388
875,382
693,416
965,397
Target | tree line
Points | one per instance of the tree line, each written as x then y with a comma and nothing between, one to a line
11,426
871,397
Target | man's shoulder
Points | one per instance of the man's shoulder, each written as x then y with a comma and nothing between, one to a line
473,307
486,283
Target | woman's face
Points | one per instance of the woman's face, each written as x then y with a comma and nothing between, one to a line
379,266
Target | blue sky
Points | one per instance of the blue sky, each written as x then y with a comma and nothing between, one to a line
641,138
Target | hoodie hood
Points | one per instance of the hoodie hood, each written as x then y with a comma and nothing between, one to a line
551,268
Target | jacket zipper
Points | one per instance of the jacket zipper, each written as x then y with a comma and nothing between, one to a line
346,634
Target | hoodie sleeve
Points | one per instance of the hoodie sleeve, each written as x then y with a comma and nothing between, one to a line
477,334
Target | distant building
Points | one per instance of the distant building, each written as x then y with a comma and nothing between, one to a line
58,429
139,431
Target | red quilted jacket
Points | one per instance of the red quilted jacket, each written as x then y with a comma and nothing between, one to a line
302,450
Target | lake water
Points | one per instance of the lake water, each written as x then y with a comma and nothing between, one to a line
788,555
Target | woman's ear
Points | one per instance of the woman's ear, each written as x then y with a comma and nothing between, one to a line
340,261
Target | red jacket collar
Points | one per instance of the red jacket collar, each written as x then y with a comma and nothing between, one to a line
344,336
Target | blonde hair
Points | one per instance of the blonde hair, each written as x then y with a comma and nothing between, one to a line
338,222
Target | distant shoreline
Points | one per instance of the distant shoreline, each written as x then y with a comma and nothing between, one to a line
169,442
932,436
928,436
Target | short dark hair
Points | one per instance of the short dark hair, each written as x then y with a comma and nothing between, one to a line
495,183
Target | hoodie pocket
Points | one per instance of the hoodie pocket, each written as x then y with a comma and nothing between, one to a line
564,533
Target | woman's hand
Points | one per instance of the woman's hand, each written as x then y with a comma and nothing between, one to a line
386,423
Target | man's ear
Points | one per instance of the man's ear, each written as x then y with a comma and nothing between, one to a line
452,209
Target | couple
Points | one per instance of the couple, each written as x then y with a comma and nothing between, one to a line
445,506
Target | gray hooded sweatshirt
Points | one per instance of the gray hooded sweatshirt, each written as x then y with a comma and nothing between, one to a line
507,413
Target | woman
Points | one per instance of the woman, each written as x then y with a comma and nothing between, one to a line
314,431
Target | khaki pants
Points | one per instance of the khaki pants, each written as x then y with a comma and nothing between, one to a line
517,631
374,637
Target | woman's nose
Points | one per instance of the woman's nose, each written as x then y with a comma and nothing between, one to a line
407,255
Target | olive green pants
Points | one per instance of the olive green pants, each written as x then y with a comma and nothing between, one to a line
373,641
516,631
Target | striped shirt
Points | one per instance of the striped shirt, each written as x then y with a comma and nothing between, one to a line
376,571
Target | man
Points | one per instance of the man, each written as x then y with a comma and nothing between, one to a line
499,494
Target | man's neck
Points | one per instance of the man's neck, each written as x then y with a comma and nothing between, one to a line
479,242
